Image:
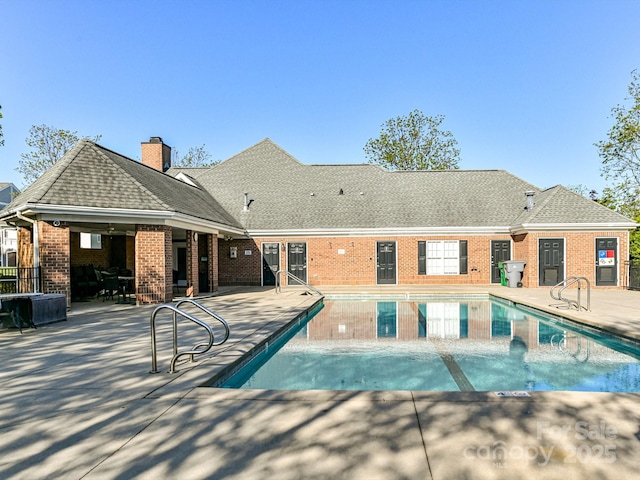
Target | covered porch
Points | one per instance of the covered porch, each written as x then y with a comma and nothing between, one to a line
119,262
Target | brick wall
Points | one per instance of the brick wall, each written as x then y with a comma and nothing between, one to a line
580,255
25,247
25,255
214,280
87,256
352,261
193,288
244,270
55,259
156,154
154,261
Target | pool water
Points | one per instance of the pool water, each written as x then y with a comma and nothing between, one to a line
440,344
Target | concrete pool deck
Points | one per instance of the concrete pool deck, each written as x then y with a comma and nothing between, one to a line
78,401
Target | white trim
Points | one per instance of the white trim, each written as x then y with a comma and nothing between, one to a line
564,258
381,232
439,262
511,245
186,179
127,216
306,261
572,227
395,251
597,260
262,244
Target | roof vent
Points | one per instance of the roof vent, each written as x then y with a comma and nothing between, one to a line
247,202
530,203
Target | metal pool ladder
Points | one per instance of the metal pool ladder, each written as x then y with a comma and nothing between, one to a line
570,303
293,277
198,349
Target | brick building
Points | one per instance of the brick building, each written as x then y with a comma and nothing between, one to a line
261,211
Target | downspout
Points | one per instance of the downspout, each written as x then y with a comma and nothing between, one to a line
36,249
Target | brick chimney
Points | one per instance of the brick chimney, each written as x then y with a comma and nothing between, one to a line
156,154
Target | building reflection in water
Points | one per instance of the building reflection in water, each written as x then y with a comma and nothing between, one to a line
471,344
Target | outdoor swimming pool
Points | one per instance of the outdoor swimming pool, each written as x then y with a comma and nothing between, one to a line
439,344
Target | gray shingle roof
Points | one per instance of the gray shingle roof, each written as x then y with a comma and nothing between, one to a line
93,176
561,205
289,195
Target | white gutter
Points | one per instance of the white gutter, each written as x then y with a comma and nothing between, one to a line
575,227
367,232
36,249
129,215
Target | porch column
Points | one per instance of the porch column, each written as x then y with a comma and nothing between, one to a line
55,258
25,256
214,281
193,284
154,264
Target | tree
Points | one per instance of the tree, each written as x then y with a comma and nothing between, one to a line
620,154
195,157
48,145
414,142
585,191
625,201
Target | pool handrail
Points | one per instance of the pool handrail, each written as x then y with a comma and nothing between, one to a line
211,313
297,279
197,349
564,284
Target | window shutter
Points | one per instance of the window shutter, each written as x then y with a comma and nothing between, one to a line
422,258
463,257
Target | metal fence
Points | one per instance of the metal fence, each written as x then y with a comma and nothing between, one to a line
634,275
20,279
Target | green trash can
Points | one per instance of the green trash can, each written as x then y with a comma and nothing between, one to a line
503,275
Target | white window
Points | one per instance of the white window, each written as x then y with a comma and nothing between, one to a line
91,241
443,257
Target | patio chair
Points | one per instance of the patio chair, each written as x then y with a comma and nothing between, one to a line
101,288
111,286
79,283
91,279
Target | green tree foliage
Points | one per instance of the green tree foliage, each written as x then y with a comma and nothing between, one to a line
624,200
195,157
414,142
48,145
620,154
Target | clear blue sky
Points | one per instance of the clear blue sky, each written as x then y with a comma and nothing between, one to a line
525,86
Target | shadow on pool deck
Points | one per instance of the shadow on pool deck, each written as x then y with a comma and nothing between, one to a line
78,401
